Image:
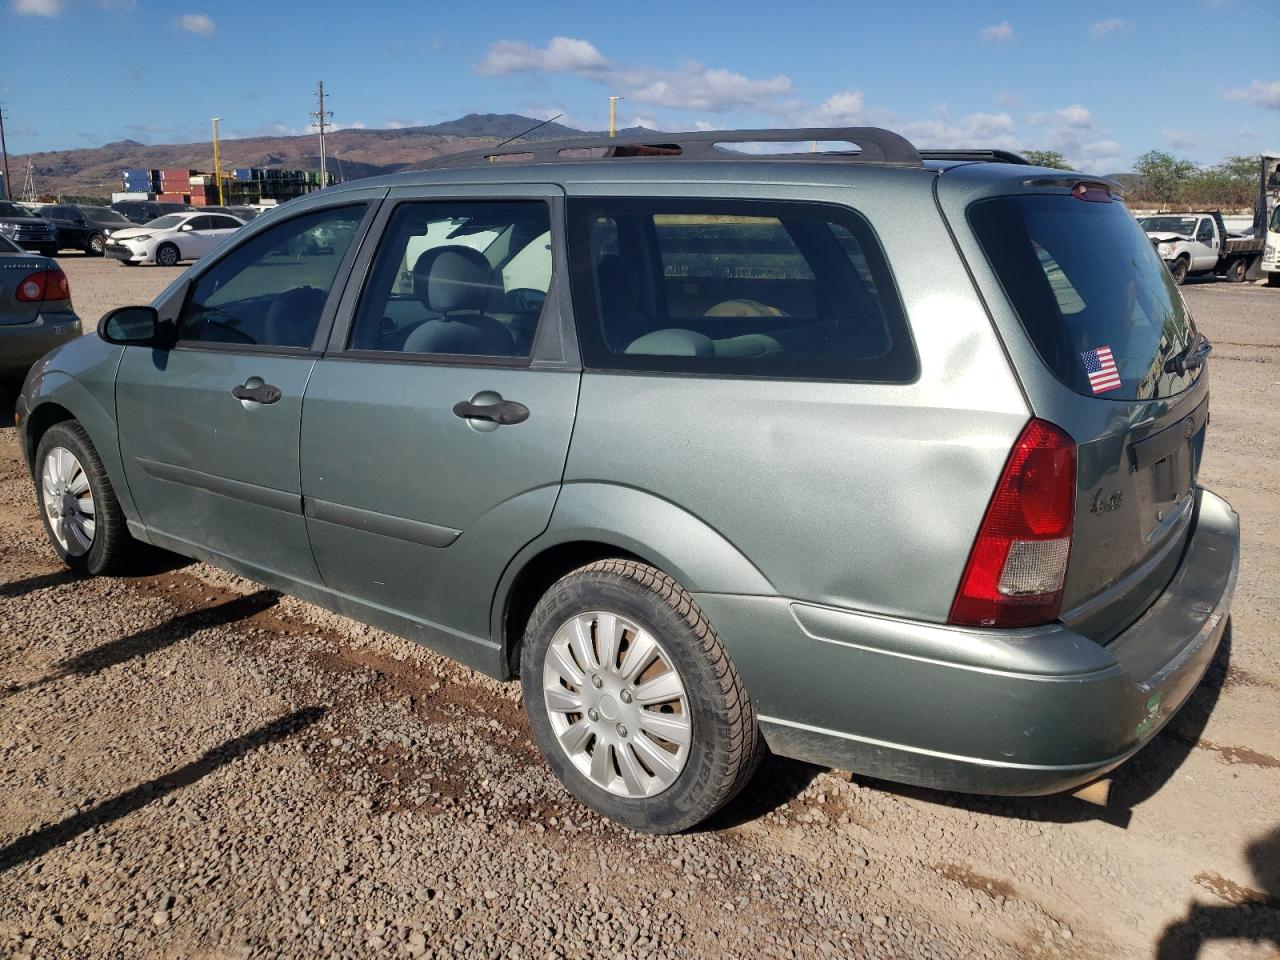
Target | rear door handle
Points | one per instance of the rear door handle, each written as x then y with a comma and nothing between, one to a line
257,391
504,412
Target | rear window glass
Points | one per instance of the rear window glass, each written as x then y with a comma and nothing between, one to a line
1086,282
740,288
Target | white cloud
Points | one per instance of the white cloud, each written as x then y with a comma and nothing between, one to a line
1006,99
201,24
1266,95
560,55
395,123
1077,116
1000,32
692,86
1113,25
971,130
1182,139
845,108
36,8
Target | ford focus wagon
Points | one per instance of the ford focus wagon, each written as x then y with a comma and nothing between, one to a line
881,459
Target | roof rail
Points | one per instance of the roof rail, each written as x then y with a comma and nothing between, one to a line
873,144
978,156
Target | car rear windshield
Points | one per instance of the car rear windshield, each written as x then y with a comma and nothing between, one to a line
1094,297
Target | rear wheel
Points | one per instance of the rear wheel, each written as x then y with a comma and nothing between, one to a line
167,255
633,700
97,245
1179,269
82,516
1236,271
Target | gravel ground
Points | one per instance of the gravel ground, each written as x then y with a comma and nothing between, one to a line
193,766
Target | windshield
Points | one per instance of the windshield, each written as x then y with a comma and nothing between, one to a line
1275,220
1096,300
12,210
104,215
167,222
1185,225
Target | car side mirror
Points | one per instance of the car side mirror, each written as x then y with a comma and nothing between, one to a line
136,327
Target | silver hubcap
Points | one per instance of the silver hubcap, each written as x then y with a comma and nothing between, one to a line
617,705
68,501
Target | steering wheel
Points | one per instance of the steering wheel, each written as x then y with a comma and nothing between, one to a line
526,299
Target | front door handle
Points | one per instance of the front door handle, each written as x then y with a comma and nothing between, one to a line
257,391
504,412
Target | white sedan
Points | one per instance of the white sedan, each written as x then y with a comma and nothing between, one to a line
172,238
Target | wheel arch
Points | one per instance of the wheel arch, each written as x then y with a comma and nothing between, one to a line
597,521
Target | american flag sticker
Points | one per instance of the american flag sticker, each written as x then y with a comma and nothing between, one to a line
1100,365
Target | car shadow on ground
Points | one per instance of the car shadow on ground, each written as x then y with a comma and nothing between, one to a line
1251,914
37,844
1133,782
155,638
776,783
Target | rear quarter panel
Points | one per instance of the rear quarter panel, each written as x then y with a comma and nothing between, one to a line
865,496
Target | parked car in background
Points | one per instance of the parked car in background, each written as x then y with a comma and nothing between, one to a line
241,213
886,459
84,227
144,211
170,239
1199,244
19,224
35,309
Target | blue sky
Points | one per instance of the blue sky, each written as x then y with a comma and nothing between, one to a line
1101,82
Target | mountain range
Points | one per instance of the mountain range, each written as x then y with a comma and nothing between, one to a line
353,153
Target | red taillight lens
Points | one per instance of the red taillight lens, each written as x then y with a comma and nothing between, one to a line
1093,192
1018,563
45,285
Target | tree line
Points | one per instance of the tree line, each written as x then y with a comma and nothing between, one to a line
1162,180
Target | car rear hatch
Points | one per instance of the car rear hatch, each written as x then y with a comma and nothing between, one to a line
1117,363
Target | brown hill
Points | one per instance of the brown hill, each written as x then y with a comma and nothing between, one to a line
353,154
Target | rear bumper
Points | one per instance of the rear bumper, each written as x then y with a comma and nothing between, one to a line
1002,712
22,344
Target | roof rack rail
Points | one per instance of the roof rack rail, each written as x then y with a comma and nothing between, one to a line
874,145
978,156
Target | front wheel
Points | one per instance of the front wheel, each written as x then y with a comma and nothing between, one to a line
81,514
633,700
167,255
1179,269
97,245
1273,279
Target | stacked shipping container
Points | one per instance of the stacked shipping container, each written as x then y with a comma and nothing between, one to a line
245,185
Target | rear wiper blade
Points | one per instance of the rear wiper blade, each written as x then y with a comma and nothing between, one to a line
1190,357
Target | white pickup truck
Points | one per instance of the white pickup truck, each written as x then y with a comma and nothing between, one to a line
1197,244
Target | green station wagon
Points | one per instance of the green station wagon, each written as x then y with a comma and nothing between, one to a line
878,458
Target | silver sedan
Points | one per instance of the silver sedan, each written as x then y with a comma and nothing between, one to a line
35,309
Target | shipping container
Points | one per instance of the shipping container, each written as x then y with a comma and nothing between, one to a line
172,198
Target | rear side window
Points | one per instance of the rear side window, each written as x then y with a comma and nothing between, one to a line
742,288
1092,294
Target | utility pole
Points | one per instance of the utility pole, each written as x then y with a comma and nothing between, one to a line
217,160
322,120
4,148
613,116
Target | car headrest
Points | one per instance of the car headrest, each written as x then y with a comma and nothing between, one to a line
452,278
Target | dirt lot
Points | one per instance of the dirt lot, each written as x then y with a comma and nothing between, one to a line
192,766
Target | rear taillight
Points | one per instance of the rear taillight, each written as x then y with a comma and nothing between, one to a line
45,285
1018,563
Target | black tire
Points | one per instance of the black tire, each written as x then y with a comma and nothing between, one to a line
1236,271
96,246
47,251
1273,279
112,546
1179,270
128,263
725,744
168,255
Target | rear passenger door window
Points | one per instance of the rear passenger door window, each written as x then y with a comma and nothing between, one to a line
746,288
457,278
